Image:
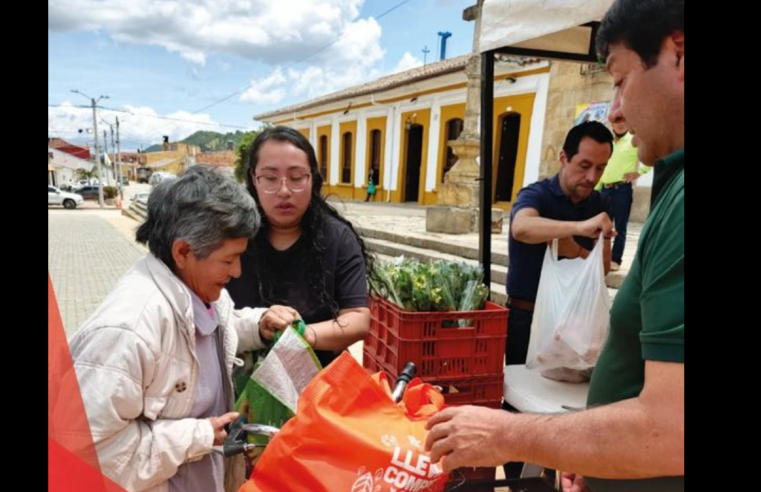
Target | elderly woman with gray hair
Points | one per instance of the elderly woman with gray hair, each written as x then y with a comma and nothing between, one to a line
154,362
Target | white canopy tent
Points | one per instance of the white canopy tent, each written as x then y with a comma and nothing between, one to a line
541,28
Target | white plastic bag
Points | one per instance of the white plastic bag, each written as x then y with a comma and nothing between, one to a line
571,316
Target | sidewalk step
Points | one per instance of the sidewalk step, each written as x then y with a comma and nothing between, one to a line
435,244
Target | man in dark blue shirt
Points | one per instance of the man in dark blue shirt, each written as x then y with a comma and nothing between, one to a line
565,207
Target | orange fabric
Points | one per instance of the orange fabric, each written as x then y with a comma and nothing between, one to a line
72,461
349,436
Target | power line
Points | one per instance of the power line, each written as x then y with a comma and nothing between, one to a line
181,120
310,55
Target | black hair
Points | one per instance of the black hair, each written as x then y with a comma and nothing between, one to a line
592,129
640,25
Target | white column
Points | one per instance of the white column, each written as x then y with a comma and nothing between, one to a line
433,147
360,152
335,152
312,135
536,133
393,156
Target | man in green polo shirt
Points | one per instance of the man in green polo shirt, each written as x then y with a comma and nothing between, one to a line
617,186
631,438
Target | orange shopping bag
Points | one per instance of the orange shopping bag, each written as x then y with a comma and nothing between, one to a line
349,436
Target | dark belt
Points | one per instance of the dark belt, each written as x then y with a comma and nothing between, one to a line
615,185
512,302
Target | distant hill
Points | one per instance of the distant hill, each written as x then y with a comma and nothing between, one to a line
208,141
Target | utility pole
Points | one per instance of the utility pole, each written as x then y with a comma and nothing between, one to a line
94,103
119,159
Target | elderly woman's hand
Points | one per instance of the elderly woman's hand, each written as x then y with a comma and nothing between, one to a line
219,423
277,318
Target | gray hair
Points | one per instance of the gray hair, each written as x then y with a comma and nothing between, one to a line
201,208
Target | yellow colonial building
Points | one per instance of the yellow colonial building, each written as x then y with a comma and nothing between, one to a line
173,158
399,127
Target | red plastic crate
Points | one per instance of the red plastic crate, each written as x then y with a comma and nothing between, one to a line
472,476
397,337
369,363
483,391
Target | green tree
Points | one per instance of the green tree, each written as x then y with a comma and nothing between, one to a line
243,152
87,174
